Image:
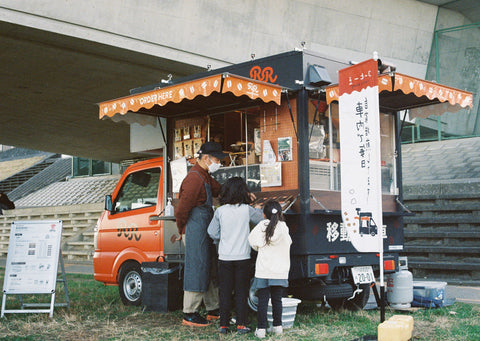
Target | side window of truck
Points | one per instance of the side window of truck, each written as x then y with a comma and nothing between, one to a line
140,189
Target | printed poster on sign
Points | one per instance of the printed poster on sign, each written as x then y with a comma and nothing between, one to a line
179,171
361,194
284,149
271,174
268,155
32,259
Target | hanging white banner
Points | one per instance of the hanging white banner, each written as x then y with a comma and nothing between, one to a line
360,156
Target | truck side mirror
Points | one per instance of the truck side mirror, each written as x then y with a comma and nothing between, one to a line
108,203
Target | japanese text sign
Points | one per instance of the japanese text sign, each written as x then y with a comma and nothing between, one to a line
361,194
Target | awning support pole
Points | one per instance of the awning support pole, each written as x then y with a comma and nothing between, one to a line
291,115
303,155
246,147
403,121
313,123
161,128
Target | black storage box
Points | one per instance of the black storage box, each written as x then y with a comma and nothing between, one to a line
162,286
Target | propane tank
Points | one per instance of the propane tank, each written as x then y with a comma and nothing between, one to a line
400,286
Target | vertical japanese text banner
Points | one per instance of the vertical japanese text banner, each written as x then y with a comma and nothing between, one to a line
361,195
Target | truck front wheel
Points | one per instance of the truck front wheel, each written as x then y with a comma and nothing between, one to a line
130,284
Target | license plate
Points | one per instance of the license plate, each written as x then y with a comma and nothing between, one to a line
363,275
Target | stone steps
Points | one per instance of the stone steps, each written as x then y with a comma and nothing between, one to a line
421,249
442,240
78,222
443,234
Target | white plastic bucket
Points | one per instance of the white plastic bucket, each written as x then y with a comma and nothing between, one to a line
289,310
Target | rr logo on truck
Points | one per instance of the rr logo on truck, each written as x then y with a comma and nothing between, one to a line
265,75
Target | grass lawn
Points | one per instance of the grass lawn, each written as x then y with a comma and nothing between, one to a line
96,313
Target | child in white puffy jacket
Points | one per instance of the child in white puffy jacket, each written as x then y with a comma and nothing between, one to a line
272,241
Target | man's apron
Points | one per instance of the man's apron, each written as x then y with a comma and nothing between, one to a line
198,245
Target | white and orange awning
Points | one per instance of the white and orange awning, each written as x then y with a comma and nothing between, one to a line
399,92
209,93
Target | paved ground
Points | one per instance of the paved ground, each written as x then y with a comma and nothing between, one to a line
79,269
464,294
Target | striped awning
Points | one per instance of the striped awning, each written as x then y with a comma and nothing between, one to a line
208,93
400,92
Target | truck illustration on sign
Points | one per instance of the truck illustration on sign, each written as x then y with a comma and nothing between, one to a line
366,224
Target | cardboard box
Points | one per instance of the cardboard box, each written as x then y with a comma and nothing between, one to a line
178,150
197,143
188,148
252,159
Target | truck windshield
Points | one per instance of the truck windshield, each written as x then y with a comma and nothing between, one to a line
140,189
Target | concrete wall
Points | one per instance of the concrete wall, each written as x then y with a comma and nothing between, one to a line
217,32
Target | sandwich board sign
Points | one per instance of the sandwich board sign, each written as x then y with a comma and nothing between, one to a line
32,261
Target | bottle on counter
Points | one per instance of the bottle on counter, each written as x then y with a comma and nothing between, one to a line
169,209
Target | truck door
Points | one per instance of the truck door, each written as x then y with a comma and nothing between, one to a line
130,230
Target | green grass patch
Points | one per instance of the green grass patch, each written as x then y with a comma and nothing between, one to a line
96,313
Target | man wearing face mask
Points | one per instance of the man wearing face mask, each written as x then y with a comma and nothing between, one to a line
194,213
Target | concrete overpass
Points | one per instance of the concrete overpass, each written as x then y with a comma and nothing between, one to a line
50,85
60,58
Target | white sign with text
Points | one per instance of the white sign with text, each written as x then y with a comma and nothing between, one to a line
32,259
361,193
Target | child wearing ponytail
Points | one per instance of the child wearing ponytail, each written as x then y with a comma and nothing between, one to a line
272,241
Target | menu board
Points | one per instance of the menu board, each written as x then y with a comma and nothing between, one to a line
253,179
32,259
221,175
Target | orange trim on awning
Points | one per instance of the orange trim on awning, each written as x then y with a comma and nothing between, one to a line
173,93
418,87
245,86
220,83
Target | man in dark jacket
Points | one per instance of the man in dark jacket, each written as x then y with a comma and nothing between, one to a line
194,213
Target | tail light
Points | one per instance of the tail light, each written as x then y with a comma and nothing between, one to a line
321,269
389,265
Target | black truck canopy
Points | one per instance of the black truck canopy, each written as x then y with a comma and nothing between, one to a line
263,80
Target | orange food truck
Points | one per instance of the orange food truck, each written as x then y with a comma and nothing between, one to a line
278,119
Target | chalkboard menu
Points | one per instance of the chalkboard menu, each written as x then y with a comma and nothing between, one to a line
253,180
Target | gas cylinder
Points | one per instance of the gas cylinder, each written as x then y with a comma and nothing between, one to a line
400,286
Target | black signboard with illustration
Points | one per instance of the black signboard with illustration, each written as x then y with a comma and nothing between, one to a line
253,182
